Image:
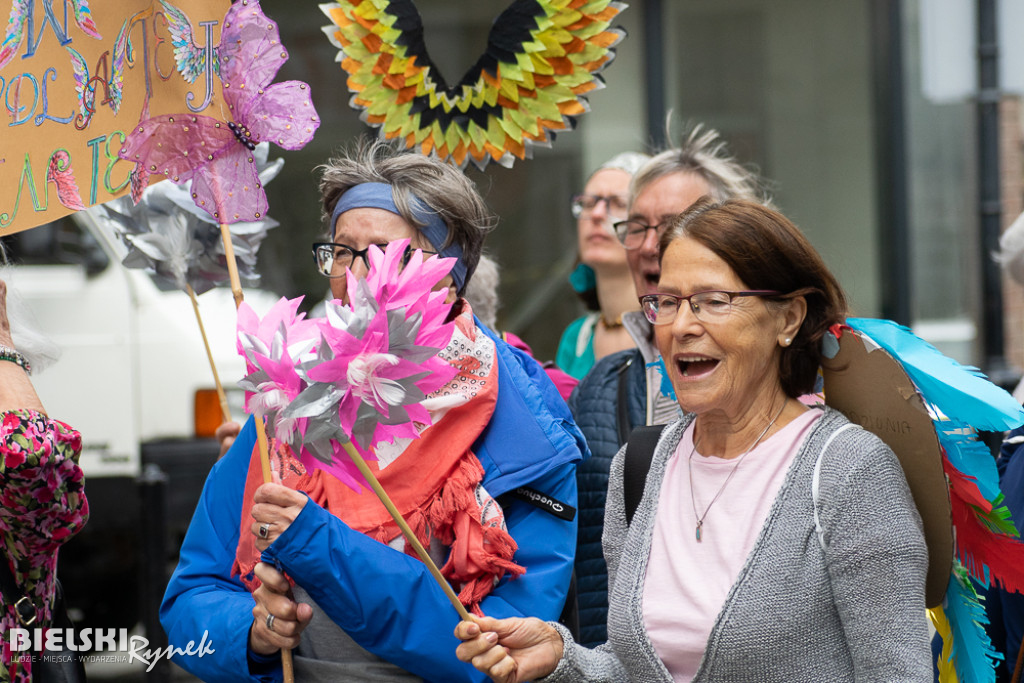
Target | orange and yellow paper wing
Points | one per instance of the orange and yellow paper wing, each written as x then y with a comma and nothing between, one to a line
542,58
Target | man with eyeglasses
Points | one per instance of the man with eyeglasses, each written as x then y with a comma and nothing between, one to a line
630,388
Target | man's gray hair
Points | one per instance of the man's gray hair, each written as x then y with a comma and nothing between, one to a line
442,187
704,154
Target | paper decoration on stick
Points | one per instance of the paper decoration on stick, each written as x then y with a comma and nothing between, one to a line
168,235
366,376
216,155
361,373
542,58
927,407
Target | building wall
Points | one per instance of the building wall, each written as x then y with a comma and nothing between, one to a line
788,83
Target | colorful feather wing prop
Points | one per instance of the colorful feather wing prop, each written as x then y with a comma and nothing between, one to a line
960,401
542,58
952,388
363,373
967,652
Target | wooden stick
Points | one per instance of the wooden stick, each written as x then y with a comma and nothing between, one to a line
229,253
357,458
261,430
225,411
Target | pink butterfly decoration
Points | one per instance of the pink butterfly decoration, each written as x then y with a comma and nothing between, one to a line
366,375
217,155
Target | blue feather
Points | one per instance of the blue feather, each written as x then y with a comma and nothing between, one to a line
969,455
973,653
954,389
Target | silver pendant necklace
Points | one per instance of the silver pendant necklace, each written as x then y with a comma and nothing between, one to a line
689,469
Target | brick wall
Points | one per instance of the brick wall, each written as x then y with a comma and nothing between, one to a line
1011,141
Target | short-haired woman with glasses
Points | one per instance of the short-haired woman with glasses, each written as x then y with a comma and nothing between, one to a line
731,569
602,279
489,486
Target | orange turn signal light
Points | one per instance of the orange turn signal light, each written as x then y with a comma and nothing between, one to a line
208,413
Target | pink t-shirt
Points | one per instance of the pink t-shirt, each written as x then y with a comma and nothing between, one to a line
687,581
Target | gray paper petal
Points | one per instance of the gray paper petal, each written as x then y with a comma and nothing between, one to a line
169,236
313,400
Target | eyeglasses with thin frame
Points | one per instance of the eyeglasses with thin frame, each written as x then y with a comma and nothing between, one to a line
633,232
708,307
333,259
615,204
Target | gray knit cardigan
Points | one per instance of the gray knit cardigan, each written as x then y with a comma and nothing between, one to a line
853,611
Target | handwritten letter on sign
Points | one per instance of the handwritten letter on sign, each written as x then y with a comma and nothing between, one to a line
75,76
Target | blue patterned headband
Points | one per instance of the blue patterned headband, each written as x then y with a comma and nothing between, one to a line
379,196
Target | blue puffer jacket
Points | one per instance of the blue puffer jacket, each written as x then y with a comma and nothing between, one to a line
594,403
385,600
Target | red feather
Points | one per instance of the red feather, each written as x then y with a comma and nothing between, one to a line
977,546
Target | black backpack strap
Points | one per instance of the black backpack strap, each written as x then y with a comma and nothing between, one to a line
570,617
639,453
622,402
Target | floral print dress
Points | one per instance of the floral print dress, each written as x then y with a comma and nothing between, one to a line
42,505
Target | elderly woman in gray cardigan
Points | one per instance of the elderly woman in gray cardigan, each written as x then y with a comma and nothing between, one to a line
774,541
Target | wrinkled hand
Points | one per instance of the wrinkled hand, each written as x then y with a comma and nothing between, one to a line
290,618
275,508
509,650
226,433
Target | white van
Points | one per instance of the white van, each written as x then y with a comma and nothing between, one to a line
132,372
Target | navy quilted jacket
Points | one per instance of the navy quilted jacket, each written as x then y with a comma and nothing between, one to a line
594,404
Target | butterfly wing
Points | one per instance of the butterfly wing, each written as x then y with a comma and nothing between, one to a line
176,145
250,53
282,114
229,188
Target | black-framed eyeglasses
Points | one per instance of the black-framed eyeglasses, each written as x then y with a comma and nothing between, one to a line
614,203
708,307
633,232
333,259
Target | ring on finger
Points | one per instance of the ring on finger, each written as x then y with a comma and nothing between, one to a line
270,622
264,531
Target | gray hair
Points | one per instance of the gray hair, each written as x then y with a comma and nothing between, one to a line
704,154
442,187
1011,250
482,291
38,348
630,162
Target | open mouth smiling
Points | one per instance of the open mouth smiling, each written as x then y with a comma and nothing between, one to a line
695,365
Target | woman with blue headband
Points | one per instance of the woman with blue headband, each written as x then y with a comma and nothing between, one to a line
491,485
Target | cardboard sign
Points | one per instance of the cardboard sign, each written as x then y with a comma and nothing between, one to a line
75,76
870,388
